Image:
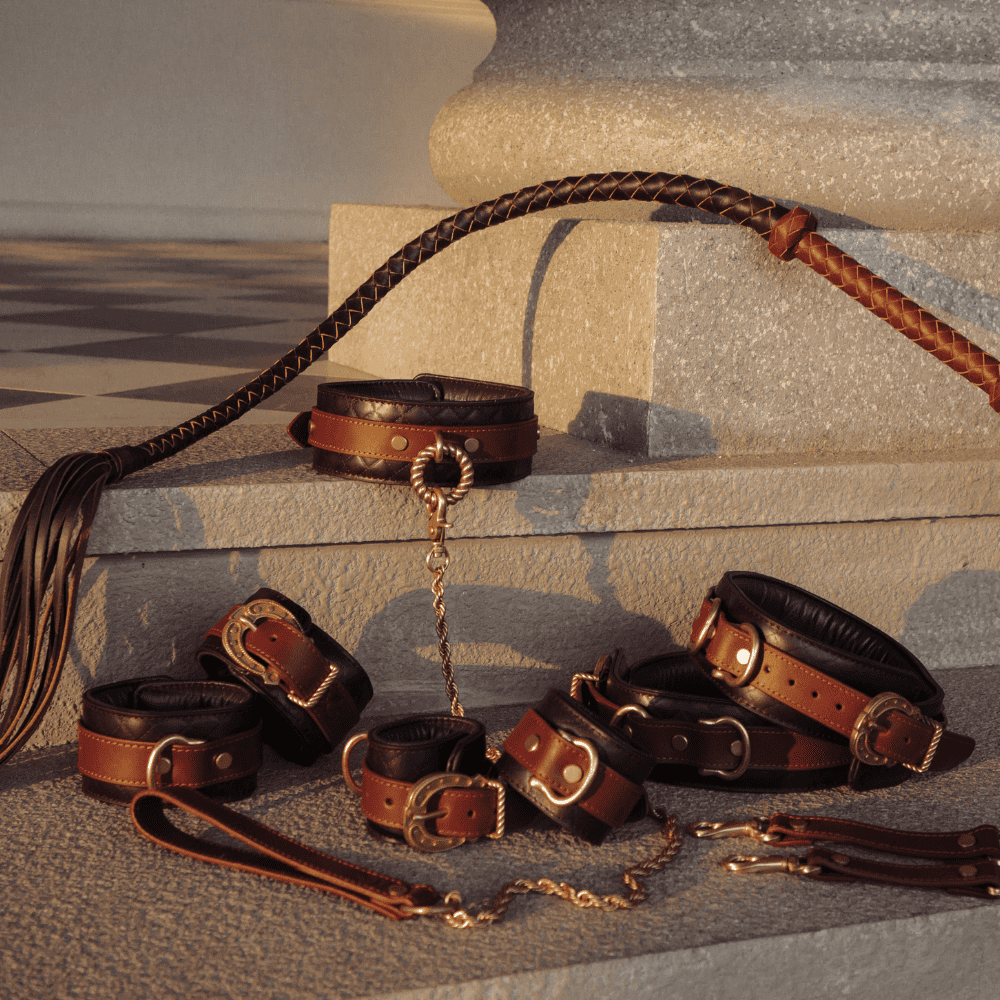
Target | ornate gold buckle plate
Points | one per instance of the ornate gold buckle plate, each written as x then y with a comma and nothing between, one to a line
867,721
244,619
415,815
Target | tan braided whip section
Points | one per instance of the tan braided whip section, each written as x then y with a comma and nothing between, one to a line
903,314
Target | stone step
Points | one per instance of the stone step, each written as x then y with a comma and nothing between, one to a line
596,550
673,339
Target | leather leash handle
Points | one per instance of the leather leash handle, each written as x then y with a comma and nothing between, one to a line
272,854
49,540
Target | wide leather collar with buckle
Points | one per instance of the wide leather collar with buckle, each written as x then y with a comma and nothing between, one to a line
814,668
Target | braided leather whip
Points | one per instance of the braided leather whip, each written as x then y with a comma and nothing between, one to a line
45,553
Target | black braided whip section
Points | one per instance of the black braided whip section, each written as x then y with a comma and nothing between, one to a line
759,214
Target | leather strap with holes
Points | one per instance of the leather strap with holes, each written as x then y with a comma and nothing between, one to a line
311,690
667,708
373,430
811,667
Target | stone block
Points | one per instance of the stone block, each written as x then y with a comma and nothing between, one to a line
669,339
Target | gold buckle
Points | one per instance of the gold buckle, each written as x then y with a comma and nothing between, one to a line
744,755
585,780
415,817
246,619
861,733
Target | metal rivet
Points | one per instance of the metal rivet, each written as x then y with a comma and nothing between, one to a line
223,760
798,825
531,743
399,443
967,840
471,445
163,765
743,657
572,773
967,871
736,748
679,742
312,427
840,859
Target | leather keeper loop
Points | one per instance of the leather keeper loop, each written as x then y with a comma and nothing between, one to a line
543,763
827,674
311,690
372,430
121,723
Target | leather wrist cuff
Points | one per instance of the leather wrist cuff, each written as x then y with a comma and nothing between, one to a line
425,780
373,430
122,723
671,712
582,774
311,690
813,668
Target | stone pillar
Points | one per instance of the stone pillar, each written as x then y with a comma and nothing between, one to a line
645,332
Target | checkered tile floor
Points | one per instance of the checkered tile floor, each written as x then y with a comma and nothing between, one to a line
110,334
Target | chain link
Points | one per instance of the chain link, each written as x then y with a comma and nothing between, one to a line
496,910
437,501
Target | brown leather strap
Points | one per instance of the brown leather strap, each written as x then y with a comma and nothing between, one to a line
540,750
272,854
898,737
979,877
311,688
123,762
979,842
469,813
711,747
402,442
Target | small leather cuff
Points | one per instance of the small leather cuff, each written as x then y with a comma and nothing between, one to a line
311,690
580,773
121,723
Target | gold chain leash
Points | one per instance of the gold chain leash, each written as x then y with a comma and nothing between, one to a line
494,913
437,502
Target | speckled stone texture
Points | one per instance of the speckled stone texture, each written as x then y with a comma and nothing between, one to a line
671,340
91,910
887,113
594,551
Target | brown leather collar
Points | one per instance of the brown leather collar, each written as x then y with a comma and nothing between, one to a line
373,430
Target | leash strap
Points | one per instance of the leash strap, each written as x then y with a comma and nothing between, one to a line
272,854
967,862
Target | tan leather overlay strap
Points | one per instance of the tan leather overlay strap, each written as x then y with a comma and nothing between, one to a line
540,750
272,854
899,737
468,812
678,741
123,762
402,442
